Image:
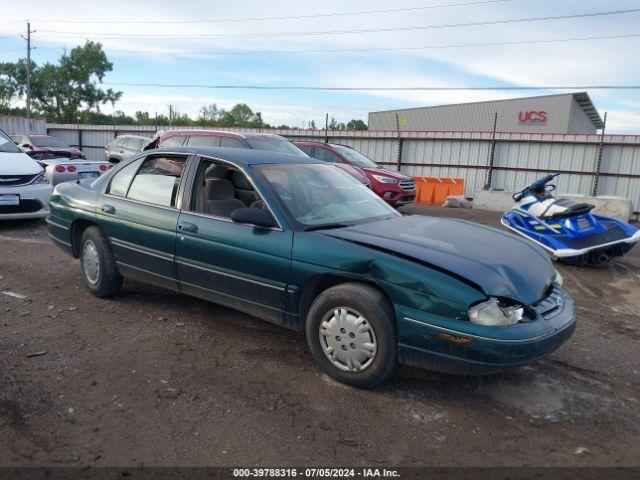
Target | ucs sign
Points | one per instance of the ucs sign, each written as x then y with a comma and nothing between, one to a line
532,116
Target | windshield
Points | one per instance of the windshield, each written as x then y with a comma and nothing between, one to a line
316,195
7,145
275,145
47,141
355,157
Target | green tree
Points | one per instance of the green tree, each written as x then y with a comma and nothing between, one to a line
335,125
61,91
240,115
356,124
210,113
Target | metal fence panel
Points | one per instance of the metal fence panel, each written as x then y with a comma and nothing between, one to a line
519,158
12,124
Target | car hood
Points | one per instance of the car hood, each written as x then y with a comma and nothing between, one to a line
18,164
499,263
386,173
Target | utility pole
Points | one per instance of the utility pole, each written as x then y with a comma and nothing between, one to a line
28,39
326,128
170,114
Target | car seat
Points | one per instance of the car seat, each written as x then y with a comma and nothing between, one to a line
220,198
244,189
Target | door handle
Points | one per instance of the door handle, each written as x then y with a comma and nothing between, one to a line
108,209
188,227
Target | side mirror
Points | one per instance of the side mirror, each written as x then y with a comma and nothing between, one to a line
254,216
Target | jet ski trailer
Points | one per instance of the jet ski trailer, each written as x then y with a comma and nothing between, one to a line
568,230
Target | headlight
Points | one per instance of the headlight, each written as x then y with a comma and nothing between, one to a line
382,179
559,280
491,314
41,178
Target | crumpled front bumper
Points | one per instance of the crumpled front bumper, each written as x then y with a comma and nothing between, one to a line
460,347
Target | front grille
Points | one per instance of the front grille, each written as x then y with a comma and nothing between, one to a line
551,303
26,206
407,185
16,180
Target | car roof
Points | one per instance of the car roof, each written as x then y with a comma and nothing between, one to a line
195,131
129,135
244,156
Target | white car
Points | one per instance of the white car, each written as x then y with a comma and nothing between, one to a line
24,189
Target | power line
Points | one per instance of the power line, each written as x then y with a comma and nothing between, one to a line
290,17
351,89
336,32
12,23
366,50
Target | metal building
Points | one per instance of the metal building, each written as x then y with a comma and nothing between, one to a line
563,113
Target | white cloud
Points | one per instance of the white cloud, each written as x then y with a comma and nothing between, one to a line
570,63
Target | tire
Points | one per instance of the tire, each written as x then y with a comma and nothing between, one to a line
98,266
334,324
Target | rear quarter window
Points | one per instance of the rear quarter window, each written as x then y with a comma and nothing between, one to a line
122,178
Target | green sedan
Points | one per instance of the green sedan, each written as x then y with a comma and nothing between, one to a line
299,243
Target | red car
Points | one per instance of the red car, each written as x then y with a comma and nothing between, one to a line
393,187
46,147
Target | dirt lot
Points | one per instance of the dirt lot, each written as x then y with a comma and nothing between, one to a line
157,378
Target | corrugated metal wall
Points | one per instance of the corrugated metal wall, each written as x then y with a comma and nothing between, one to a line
12,124
560,113
519,158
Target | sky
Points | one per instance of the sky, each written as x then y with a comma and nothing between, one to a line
408,55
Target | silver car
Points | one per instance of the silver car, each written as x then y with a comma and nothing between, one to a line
124,146
61,170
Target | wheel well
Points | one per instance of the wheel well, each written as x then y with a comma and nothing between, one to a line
77,229
320,283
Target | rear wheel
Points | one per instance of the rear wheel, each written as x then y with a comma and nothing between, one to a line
99,269
351,332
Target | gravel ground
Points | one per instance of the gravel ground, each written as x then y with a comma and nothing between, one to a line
155,378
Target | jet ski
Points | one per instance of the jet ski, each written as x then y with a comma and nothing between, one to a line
568,230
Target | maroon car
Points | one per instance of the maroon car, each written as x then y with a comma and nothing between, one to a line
216,138
394,187
256,141
46,147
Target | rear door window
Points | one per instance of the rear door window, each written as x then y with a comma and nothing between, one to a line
306,149
326,155
174,141
203,141
230,142
157,180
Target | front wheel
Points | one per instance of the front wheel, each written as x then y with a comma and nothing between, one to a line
351,333
99,269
